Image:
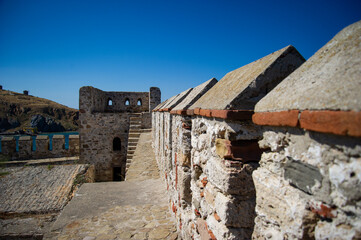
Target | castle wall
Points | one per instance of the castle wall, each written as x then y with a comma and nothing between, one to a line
308,185
41,150
289,168
207,155
207,191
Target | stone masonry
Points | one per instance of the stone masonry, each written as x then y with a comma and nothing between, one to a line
41,150
32,196
207,161
104,127
271,151
308,185
133,209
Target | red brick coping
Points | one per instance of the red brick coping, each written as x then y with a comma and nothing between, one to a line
325,121
346,123
224,114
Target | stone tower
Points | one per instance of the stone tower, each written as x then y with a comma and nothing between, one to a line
104,127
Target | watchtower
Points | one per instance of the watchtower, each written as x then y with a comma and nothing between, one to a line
104,127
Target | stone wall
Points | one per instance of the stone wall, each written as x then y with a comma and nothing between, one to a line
207,156
308,185
41,149
280,162
104,127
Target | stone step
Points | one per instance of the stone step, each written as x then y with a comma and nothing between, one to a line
137,119
134,135
135,126
131,151
132,140
135,131
130,148
146,130
130,156
132,144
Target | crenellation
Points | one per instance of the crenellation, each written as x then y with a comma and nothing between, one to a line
31,147
206,146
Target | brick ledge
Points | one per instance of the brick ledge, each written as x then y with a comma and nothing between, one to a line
346,123
224,114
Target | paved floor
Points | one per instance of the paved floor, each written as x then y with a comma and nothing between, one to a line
39,189
32,196
133,209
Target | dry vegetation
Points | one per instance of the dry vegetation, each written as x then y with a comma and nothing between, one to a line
16,108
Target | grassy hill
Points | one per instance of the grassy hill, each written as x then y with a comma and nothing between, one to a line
16,111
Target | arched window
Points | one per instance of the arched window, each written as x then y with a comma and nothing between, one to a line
139,103
127,102
110,102
116,144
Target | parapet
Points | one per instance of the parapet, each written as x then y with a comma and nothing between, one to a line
195,94
95,100
324,93
26,147
242,88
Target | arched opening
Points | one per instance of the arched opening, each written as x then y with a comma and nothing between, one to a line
116,144
110,102
127,102
139,103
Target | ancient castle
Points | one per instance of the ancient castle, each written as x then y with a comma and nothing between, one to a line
270,151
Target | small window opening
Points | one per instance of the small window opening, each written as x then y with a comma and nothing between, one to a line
127,102
116,144
110,102
139,103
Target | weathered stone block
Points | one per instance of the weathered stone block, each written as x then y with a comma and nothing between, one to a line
282,205
235,213
302,175
185,184
231,177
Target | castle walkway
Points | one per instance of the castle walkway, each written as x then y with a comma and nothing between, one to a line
134,209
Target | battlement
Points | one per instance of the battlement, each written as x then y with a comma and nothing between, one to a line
270,151
95,100
42,146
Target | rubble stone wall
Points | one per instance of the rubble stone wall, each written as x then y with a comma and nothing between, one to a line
212,195
306,186
27,150
289,168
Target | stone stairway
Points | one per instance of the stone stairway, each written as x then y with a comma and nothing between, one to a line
135,129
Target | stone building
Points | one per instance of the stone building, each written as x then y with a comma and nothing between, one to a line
105,122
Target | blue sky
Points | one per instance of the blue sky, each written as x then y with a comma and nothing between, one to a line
53,47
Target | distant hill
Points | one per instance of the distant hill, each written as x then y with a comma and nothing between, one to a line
18,111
